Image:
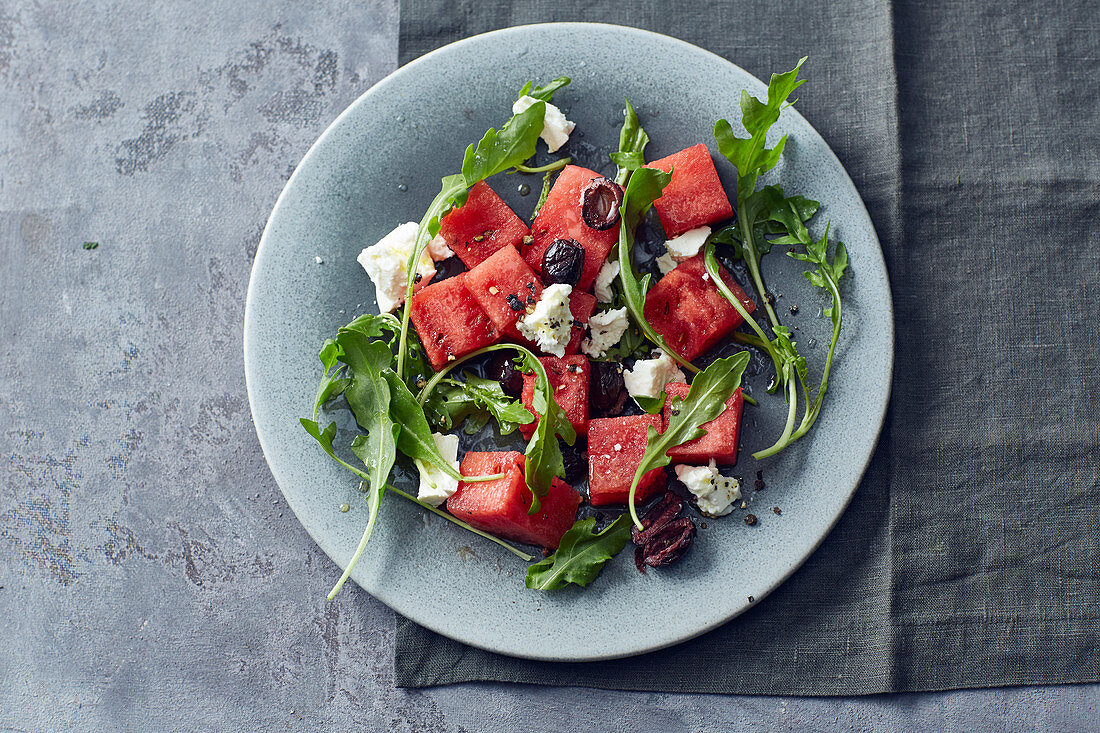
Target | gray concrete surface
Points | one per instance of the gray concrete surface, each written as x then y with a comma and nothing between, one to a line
150,576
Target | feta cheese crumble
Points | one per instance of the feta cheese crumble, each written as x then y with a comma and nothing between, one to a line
605,330
604,278
649,376
666,264
555,128
387,265
681,248
688,244
714,493
436,486
549,323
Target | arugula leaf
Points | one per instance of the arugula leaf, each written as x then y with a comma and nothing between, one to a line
643,188
826,275
494,153
750,155
545,93
477,400
705,401
415,436
369,397
632,141
499,151
325,438
332,383
544,458
580,556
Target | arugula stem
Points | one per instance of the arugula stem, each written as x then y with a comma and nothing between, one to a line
749,340
792,410
460,523
362,544
560,163
763,343
452,186
752,260
812,411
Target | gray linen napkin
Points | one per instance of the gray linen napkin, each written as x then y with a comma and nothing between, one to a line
970,556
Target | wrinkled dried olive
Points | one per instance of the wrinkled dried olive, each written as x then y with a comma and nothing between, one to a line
575,459
665,536
600,202
448,268
504,370
606,389
563,262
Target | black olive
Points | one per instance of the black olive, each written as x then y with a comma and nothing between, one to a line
606,389
448,268
600,202
504,370
576,462
563,262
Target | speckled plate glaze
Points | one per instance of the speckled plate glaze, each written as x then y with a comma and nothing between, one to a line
379,164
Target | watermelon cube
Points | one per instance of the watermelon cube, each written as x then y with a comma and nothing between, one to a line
449,321
569,380
694,196
688,310
615,448
481,226
504,286
581,306
720,442
560,218
500,507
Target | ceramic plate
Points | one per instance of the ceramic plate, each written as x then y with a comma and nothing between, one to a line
379,165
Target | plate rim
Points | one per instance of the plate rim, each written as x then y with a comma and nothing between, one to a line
410,67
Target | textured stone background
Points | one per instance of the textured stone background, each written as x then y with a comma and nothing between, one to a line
150,576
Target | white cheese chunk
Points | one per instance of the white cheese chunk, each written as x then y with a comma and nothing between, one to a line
666,264
606,329
604,278
436,486
714,493
688,244
548,323
555,128
649,376
387,265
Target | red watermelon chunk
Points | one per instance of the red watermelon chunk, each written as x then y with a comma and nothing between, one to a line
694,196
720,442
449,321
500,284
615,448
690,312
569,380
560,218
500,507
481,226
581,306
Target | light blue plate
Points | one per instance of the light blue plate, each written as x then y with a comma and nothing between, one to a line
379,165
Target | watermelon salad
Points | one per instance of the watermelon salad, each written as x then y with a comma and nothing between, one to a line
609,388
